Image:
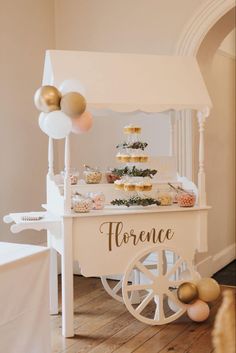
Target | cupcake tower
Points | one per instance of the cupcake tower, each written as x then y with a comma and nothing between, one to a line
131,153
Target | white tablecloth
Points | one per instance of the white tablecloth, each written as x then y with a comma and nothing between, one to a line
24,299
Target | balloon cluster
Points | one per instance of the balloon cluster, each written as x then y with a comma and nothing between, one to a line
197,295
63,110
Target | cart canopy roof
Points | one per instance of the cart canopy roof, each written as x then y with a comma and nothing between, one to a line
130,82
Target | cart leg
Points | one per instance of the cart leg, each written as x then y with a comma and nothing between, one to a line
67,280
53,277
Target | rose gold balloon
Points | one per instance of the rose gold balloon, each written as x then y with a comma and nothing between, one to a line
198,311
47,99
83,123
73,104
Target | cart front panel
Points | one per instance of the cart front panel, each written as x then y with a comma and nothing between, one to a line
105,245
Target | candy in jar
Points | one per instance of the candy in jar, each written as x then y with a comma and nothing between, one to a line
111,176
186,199
92,175
165,197
81,204
98,199
74,175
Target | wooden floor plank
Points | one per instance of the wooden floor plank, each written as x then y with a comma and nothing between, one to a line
139,339
203,344
191,335
103,325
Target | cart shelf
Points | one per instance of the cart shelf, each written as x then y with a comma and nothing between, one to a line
47,222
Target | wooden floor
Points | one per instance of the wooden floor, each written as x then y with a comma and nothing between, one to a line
104,325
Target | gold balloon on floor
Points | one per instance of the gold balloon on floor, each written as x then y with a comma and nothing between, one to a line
187,292
47,99
208,289
73,104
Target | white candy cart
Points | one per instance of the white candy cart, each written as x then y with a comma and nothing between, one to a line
151,249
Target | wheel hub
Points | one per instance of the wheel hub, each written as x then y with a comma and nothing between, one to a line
160,285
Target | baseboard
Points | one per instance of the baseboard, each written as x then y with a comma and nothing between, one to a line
212,264
204,267
223,258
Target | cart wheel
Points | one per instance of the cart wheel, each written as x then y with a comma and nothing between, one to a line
157,286
114,290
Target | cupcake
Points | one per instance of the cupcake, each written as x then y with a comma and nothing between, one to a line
123,157
132,129
147,186
119,184
129,186
134,158
119,156
139,187
143,158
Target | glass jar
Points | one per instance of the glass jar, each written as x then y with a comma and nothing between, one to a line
92,176
111,177
186,198
98,200
81,204
165,197
74,175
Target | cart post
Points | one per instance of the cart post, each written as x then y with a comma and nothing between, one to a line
67,278
67,184
202,115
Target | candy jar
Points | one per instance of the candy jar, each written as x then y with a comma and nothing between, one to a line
74,175
92,175
98,199
81,204
186,198
165,197
111,176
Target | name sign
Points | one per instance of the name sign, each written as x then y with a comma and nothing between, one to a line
118,236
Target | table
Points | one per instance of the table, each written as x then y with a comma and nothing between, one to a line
24,299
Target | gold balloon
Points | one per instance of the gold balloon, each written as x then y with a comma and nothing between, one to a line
47,99
208,289
73,104
187,292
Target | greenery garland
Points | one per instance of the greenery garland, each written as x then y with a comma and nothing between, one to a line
134,145
134,171
136,201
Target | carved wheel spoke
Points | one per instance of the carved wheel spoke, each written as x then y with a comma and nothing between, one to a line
134,287
159,312
176,266
115,292
144,303
141,267
117,287
160,265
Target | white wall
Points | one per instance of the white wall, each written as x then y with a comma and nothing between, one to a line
228,46
132,26
26,31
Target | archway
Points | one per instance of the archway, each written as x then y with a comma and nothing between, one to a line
188,44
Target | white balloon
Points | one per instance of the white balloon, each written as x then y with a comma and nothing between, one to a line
57,124
72,85
42,117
